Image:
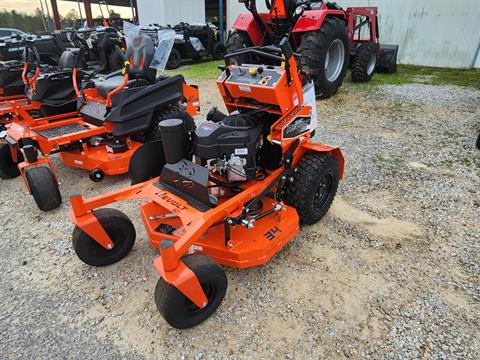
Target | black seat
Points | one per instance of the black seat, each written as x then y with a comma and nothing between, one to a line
140,54
107,84
67,59
11,82
54,85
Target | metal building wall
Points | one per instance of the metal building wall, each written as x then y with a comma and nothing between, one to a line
171,11
442,33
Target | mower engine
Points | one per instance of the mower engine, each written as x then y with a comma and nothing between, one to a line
229,147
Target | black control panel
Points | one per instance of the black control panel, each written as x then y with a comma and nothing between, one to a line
255,75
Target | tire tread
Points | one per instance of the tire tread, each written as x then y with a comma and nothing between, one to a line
104,215
8,169
172,112
313,47
44,187
237,40
360,63
298,192
167,296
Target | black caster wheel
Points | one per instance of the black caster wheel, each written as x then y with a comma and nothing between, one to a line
8,167
44,187
96,175
120,230
177,309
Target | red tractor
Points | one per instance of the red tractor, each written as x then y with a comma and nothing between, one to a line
327,37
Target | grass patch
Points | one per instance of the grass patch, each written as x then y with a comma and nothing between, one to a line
202,70
406,74
389,163
411,74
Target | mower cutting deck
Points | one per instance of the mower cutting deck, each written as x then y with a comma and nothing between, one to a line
233,191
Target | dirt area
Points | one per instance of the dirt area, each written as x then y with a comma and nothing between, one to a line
391,272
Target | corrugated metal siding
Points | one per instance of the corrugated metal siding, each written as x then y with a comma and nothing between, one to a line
171,11
441,33
234,8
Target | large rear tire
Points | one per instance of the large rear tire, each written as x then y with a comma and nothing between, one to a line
219,50
174,60
177,309
314,187
164,114
364,62
324,56
238,40
9,168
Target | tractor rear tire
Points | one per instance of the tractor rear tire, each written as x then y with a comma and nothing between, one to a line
44,187
219,50
364,62
174,60
324,56
120,230
314,187
164,114
177,309
238,40
8,168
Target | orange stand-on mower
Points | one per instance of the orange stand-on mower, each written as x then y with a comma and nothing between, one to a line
256,176
117,113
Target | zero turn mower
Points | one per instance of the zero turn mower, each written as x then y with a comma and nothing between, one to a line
233,192
48,89
50,46
116,114
44,90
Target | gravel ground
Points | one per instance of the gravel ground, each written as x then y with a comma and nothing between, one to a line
392,271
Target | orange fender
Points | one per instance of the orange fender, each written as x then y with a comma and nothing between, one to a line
334,150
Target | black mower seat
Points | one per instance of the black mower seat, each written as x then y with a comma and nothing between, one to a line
104,86
54,85
140,53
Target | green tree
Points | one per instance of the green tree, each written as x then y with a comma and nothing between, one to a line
70,19
114,15
30,23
